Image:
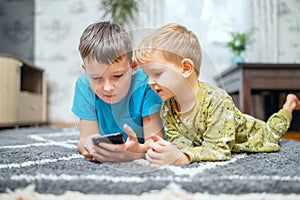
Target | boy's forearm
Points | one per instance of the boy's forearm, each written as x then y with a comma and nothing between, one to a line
184,159
208,153
144,147
80,147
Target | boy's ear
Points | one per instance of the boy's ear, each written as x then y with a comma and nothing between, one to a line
83,67
187,67
134,66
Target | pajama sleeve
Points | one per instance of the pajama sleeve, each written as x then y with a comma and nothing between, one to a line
175,137
219,136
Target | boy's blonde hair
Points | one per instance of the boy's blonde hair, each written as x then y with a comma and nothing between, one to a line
174,42
107,42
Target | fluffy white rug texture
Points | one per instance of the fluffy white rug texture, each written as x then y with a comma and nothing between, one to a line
171,192
43,163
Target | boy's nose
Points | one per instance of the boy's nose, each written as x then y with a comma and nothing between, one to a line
151,81
108,86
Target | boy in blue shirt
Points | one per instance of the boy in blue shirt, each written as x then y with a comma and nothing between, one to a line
113,95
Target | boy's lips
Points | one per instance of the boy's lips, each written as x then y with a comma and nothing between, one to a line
109,95
158,91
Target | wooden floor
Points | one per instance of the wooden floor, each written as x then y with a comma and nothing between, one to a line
292,135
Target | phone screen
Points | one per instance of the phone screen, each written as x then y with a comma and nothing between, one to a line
116,138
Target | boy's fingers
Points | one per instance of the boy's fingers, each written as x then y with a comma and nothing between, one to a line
163,142
102,154
152,154
148,157
87,155
156,147
131,137
101,158
107,147
129,131
156,138
152,159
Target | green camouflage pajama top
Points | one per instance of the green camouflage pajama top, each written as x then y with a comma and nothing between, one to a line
215,127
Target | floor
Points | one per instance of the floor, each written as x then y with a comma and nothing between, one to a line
54,166
290,135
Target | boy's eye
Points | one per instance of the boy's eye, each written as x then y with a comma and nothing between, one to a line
118,76
95,78
156,74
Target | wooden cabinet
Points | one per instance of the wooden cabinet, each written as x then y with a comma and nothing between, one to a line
267,83
22,92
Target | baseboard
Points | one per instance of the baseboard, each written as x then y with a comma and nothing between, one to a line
61,124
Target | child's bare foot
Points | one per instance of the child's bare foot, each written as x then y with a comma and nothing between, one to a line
292,103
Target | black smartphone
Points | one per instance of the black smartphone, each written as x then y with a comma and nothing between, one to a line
115,138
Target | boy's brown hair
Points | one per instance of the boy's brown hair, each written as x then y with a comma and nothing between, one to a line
174,42
107,42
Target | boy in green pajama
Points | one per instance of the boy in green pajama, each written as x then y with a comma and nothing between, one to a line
201,121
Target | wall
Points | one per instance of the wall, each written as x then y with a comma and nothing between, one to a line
58,25
289,31
17,28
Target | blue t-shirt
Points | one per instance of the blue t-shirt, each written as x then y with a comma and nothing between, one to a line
140,101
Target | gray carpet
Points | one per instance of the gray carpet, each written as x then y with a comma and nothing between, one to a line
47,157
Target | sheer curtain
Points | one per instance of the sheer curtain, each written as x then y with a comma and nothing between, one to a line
265,20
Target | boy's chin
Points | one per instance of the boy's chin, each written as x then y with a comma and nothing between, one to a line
110,100
164,98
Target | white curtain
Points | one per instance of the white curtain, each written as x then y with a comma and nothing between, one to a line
149,18
265,20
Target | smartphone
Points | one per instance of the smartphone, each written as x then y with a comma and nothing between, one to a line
115,138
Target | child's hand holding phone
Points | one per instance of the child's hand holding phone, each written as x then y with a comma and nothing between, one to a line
131,150
115,138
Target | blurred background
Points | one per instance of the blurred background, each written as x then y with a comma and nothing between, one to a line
45,33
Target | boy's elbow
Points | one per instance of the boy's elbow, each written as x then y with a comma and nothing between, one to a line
80,147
